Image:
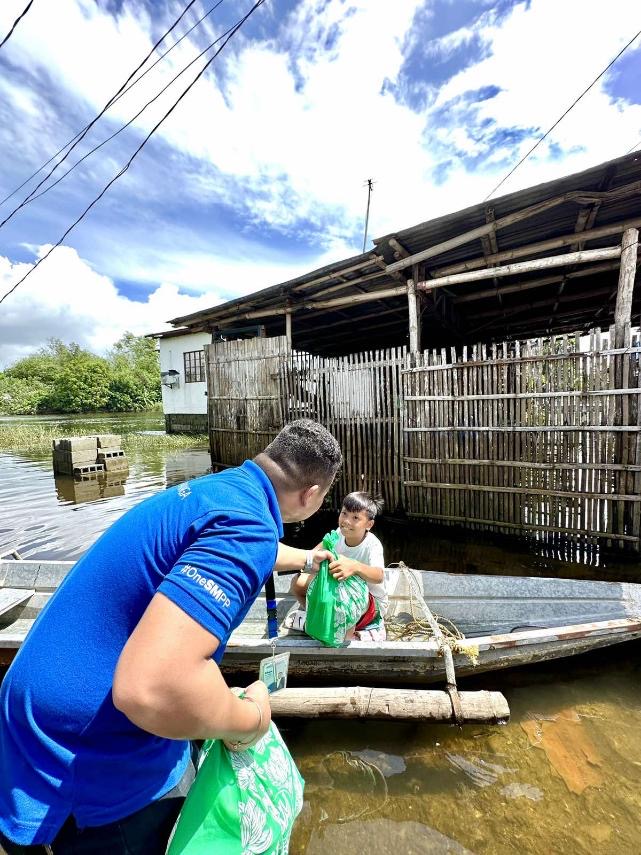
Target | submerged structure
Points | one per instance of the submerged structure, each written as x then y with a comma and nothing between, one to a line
479,369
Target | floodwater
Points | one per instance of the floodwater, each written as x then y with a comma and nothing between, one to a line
562,777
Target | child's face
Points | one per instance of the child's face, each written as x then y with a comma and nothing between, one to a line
354,525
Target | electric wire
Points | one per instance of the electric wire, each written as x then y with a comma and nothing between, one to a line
120,130
638,142
115,99
15,23
83,133
232,31
573,104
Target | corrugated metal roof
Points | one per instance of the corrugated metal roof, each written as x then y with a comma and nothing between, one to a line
366,273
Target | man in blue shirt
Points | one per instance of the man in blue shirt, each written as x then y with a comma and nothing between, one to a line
120,670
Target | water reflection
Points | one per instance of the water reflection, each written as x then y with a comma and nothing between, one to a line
60,518
90,488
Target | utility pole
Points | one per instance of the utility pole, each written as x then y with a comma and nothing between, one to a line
369,194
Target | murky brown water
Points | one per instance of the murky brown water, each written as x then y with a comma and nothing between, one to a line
564,776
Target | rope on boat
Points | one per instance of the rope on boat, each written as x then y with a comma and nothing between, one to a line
419,626
429,625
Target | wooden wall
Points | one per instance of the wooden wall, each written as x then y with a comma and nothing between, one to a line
243,395
527,437
539,438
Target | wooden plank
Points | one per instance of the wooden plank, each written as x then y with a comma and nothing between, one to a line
510,219
623,309
586,354
525,429
12,597
436,485
414,322
526,527
540,246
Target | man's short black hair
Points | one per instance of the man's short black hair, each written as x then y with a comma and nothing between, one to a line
307,453
362,501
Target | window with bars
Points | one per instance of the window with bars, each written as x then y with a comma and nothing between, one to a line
194,366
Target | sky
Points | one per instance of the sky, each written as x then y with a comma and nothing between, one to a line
259,174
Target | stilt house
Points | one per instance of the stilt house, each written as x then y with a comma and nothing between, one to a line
479,369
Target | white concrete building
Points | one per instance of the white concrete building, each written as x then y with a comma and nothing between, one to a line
184,381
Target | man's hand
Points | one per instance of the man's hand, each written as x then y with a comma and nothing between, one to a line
259,696
342,568
319,556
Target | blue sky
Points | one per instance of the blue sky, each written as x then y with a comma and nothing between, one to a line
258,175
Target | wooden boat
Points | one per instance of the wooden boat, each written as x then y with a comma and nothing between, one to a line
507,621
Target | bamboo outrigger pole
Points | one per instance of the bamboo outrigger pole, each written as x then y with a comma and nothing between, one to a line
427,705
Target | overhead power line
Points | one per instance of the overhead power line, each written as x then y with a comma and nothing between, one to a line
562,116
79,137
122,128
16,22
638,142
115,98
232,31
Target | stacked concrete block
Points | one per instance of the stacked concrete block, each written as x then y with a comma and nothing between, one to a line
89,455
110,454
75,453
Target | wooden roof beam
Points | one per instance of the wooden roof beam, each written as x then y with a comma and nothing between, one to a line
394,274
537,283
539,304
583,257
371,259
528,322
399,250
312,321
582,197
541,246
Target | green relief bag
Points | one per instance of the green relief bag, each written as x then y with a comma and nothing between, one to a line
241,802
334,607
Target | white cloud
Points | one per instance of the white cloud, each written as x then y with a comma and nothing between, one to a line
288,144
65,298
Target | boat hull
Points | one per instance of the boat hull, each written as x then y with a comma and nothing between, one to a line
508,622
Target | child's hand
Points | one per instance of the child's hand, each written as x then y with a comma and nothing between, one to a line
343,567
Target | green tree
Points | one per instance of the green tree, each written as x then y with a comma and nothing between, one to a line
64,378
20,397
45,364
81,385
135,381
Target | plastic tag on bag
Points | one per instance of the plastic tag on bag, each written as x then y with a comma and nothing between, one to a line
273,671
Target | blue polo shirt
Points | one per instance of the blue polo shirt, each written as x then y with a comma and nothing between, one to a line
208,545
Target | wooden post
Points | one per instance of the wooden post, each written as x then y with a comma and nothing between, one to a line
622,512
288,327
627,271
414,320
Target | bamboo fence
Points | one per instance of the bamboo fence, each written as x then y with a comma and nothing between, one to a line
243,394
539,438
536,437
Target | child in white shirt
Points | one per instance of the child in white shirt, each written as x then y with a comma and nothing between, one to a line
359,553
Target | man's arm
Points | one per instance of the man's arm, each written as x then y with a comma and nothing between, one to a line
291,558
167,684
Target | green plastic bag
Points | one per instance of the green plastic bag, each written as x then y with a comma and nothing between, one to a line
241,802
334,607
